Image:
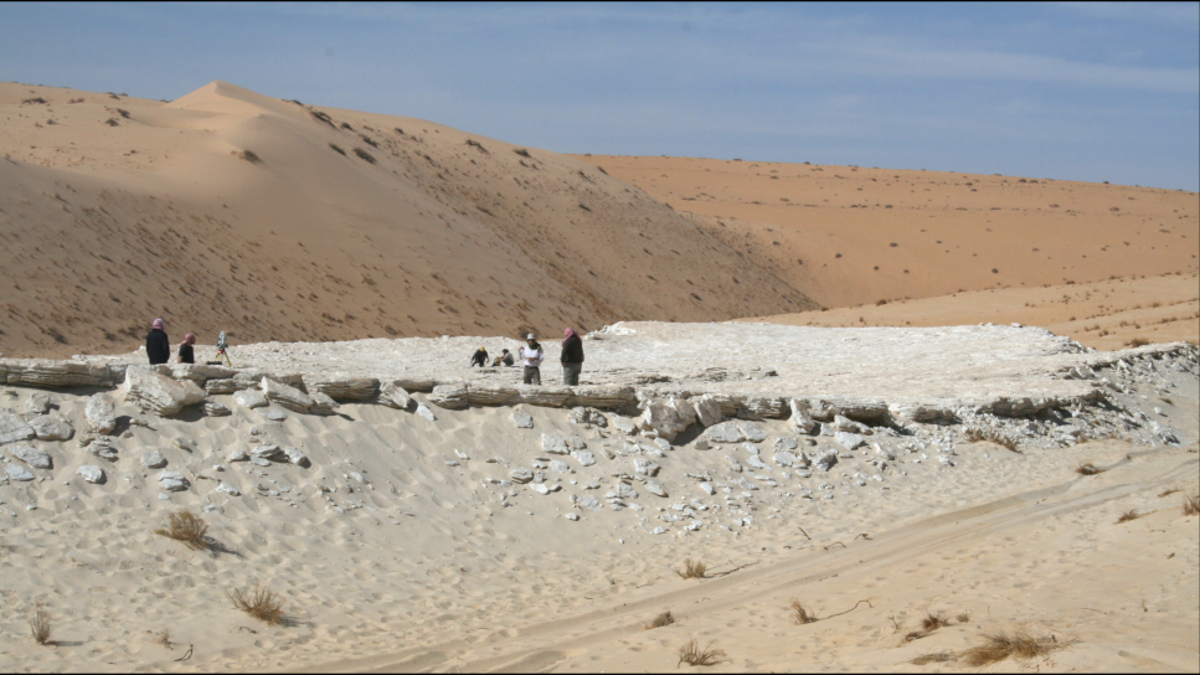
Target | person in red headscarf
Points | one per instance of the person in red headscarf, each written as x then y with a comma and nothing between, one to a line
572,357
186,354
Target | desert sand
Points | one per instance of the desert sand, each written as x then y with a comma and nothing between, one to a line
957,404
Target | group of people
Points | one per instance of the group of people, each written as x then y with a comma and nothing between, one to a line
532,355
158,347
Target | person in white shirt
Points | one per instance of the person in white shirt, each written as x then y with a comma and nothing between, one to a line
532,355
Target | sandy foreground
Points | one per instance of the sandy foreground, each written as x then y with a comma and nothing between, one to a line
406,545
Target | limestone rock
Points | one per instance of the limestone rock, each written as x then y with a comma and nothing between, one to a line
226,488
295,456
38,403
17,473
520,475
522,419
394,396
708,410
655,489
841,423
826,460
153,460
52,427
13,429
590,503
848,440
251,398
665,418
239,456
490,394
450,396
645,466
415,383
342,388
584,458
102,447
38,459
785,459
100,414
800,420
766,407
274,415
603,397
269,452
425,412
92,474
624,425
576,442
855,407
200,373
559,466
554,444
586,415
214,409
544,396
153,392
58,374
286,396
172,481
323,404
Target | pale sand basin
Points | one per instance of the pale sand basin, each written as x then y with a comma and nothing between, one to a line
395,549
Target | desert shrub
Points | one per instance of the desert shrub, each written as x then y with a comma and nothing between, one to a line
112,122
1138,342
963,617
1129,515
337,149
1087,469
801,614
692,570
476,144
259,603
249,156
188,528
664,619
368,140
1000,646
39,624
522,152
123,113
976,434
693,655
1191,505
363,154
932,622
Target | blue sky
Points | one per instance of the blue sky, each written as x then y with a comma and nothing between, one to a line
1087,91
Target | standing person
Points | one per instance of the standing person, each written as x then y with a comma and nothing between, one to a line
572,357
186,355
158,347
532,354
479,358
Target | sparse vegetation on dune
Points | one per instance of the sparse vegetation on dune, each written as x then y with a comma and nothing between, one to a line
692,570
1004,645
260,603
664,619
693,654
40,624
186,527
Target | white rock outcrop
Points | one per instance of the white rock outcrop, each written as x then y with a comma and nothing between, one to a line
13,429
92,474
100,414
286,396
52,427
38,459
153,392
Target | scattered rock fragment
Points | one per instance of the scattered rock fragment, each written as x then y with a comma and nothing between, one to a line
92,474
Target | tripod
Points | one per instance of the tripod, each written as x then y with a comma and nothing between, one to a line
221,347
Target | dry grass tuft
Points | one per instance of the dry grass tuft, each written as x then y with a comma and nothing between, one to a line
1087,469
974,435
260,603
1000,646
1191,505
664,619
692,570
801,614
163,637
1138,342
939,657
963,618
1129,515
693,655
249,156
40,624
932,622
363,154
188,528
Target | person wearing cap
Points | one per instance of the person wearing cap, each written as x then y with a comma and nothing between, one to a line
505,358
186,353
532,355
158,347
480,358
572,357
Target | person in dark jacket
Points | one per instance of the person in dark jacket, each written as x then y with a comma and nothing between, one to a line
572,357
158,347
479,358
186,355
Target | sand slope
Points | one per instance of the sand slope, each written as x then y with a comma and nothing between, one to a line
336,225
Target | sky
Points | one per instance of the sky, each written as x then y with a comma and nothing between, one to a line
1069,91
